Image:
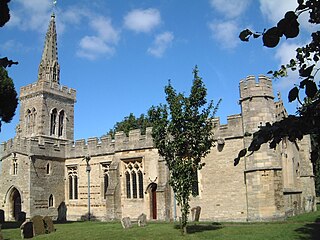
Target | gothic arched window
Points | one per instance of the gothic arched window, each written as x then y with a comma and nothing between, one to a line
61,122
140,181
105,174
50,202
128,185
53,121
134,178
33,118
73,182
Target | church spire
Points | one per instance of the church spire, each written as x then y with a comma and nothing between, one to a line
49,69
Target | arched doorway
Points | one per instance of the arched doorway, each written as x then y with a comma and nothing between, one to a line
15,204
151,189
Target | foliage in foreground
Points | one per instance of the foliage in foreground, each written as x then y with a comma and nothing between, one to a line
8,97
182,133
308,119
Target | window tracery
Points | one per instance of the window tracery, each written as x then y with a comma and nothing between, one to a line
133,170
72,182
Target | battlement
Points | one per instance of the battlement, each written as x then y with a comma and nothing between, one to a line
50,87
51,147
233,128
252,87
106,145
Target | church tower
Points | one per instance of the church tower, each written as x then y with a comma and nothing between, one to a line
47,108
263,169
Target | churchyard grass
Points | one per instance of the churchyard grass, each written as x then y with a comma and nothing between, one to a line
306,226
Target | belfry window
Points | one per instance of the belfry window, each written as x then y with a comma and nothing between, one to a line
61,122
53,121
14,166
134,178
72,182
48,168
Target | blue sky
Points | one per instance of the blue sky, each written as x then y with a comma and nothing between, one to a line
119,55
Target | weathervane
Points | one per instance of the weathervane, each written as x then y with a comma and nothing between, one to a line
54,4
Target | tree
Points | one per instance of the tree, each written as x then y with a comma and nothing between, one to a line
8,97
182,132
130,123
8,94
307,121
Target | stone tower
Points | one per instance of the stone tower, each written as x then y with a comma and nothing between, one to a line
263,171
47,108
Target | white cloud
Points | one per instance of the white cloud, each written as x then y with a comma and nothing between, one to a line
105,29
274,10
230,8
140,20
226,33
103,43
32,15
92,47
160,44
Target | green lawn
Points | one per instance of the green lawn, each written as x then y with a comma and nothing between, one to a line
302,227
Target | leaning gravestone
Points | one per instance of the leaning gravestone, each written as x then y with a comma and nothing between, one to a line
195,213
1,216
48,224
126,222
26,229
142,220
62,213
38,225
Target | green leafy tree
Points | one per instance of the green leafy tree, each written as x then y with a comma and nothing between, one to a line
182,132
8,97
307,120
8,94
130,123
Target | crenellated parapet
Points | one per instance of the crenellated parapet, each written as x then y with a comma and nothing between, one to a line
233,128
48,87
252,87
106,145
40,146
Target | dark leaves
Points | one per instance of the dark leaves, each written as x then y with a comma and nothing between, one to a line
306,72
4,12
293,94
245,35
271,37
311,89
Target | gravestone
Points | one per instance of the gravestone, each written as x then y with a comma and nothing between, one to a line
1,216
62,213
195,213
38,225
21,216
142,220
26,229
48,224
126,222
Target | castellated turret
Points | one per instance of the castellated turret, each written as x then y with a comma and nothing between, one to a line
257,102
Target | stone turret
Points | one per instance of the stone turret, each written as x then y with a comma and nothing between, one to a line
263,169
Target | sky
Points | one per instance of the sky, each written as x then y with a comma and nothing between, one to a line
119,55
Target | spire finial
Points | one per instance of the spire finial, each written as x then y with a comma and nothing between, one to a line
54,4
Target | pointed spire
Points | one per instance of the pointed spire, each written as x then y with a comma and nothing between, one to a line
49,69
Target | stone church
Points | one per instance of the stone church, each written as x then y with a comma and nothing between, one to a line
43,171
